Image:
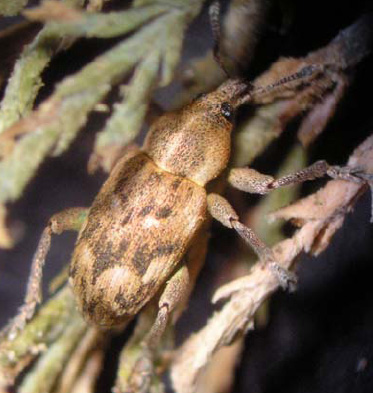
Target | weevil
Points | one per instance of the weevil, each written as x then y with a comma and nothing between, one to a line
138,241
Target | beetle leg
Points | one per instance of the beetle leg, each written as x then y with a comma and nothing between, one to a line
136,368
249,180
222,211
175,291
69,219
138,378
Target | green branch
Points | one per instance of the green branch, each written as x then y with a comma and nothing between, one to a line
43,330
12,7
25,81
43,376
51,128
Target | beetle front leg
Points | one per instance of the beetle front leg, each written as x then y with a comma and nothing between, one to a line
222,211
69,219
249,180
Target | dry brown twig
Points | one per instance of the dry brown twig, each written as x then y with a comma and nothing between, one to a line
89,353
320,216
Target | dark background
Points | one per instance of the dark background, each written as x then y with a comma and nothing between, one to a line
318,339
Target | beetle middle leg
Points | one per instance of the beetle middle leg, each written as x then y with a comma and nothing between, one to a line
69,219
222,211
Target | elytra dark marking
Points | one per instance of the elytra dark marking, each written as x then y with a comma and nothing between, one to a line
122,248
103,260
142,259
154,178
146,210
90,306
127,218
119,187
107,257
163,212
83,283
164,249
175,184
91,228
128,302
123,198
121,300
72,270
143,255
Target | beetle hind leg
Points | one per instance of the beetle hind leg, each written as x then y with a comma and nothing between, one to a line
138,357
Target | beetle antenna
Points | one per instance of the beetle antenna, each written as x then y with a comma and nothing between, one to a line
214,14
282,86
304,75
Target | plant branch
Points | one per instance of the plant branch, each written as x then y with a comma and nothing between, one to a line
43,330
12,7
249,292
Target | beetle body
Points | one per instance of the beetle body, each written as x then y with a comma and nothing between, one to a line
143,220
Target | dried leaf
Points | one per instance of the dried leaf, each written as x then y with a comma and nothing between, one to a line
91,345
314,84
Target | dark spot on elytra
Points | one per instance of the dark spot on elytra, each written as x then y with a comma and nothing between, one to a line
164,249
127,217
83,282
91,227
103,260
129,301
163,212
143,255
121,300
146,210
72,270
154,178
142,259
123,245
107,256
121,184
175,184
123,198
90,307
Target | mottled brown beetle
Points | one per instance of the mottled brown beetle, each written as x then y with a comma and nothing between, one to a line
139,239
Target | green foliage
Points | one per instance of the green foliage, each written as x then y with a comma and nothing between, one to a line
12,7
43,330
25,82
154,48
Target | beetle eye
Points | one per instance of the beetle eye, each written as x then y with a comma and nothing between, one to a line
226,110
